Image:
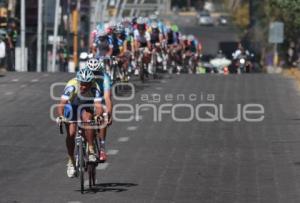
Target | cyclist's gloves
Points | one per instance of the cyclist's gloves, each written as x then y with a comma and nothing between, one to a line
98,118
60,120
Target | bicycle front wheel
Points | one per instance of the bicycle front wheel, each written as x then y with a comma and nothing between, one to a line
81,167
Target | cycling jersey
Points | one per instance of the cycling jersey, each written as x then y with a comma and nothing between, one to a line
103,46
172,38
143,39
117,45
104,82
72,93
155,36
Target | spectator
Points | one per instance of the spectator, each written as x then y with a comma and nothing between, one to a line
12,36
62,57
2,54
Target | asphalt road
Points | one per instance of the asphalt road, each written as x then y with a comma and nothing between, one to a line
164,161
212,36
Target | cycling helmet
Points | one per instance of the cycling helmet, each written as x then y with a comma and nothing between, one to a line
141,21
126,20
175,28
191,37
102,33
183,37
113,24
93,64
154,25
153,17
85,75
119,29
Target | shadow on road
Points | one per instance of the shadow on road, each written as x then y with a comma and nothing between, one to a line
110,187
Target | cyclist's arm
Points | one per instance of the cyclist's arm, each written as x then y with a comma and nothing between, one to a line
148,38
69,92
98,108
110,52
60,108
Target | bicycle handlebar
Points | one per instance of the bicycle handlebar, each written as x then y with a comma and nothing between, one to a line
104,117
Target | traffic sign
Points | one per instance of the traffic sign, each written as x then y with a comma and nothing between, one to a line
276,32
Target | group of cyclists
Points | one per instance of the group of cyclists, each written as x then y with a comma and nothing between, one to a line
141,46
133,46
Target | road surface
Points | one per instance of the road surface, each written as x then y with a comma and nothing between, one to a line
164,161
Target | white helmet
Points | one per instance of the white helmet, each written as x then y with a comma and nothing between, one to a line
102,33
183,37
154,25
141,21
93,64
191,37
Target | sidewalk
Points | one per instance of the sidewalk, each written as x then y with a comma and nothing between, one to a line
294,73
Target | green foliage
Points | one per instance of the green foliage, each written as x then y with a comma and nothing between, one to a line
287,11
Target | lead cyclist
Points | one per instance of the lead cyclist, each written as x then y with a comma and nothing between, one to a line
81,93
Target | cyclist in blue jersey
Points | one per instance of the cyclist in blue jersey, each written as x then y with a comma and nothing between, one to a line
103,81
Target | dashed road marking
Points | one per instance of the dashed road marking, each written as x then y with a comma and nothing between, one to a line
74,202
34,80
22,86
8,93
46,75
112,152
163,81
158,88
132,128
123,139
15,80
102,166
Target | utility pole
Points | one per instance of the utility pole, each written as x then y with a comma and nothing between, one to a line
75,19
251,14
55,35
23,62
39,36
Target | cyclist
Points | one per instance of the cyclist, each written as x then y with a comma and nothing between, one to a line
142,39
103,45
104,82
156,42
82,90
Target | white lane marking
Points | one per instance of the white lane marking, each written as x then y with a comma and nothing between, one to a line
163,81
112,152
158,88
74,202
132,128
8,93
46,75
22,86
34,80
15,80
123,139
102,166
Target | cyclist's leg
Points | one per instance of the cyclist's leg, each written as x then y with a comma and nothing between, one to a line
87,115
70,141
70,112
